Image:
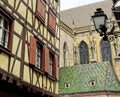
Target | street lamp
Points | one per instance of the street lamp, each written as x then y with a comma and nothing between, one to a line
100,20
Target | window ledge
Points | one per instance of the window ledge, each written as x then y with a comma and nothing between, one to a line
51,31
51,77
5,50
38,70
42,20
44,73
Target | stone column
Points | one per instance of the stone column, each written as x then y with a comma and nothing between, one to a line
93,50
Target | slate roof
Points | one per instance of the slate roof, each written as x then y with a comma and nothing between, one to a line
82,15
80,77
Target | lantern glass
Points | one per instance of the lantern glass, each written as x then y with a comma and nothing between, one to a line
99,21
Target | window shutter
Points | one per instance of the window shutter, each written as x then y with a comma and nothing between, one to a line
52,21
45,59
32,50
55,67
41,9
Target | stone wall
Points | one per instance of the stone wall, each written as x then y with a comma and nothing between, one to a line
66,37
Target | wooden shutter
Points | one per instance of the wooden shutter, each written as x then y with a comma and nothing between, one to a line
45,59
52,21
41,9
55,67
10,40
32,50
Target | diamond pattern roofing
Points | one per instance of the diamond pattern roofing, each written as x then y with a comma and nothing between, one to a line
88,78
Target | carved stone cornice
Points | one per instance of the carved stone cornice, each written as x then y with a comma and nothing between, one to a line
66,27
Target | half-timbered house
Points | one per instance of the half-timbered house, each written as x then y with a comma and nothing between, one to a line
29,48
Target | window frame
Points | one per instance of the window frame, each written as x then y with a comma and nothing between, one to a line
34,42
38,55
4,32
9,17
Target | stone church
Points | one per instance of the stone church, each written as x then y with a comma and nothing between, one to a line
89,66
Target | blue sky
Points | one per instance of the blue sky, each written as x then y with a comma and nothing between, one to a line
66,4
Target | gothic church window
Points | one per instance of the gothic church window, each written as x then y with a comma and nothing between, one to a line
84,55
106,51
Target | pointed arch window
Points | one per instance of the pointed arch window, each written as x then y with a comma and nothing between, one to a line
84,55
106,51
65,54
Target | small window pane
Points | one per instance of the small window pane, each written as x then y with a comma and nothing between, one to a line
6,24
38,56
50,64
4,31
0,33
0,20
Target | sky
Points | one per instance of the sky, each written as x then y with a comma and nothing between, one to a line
67,4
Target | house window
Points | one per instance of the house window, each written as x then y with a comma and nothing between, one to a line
50,64
38,56
4,31
36,53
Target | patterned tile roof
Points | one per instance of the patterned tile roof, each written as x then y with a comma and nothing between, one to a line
88,78
82,15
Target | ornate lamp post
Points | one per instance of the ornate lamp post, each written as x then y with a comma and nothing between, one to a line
100,20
